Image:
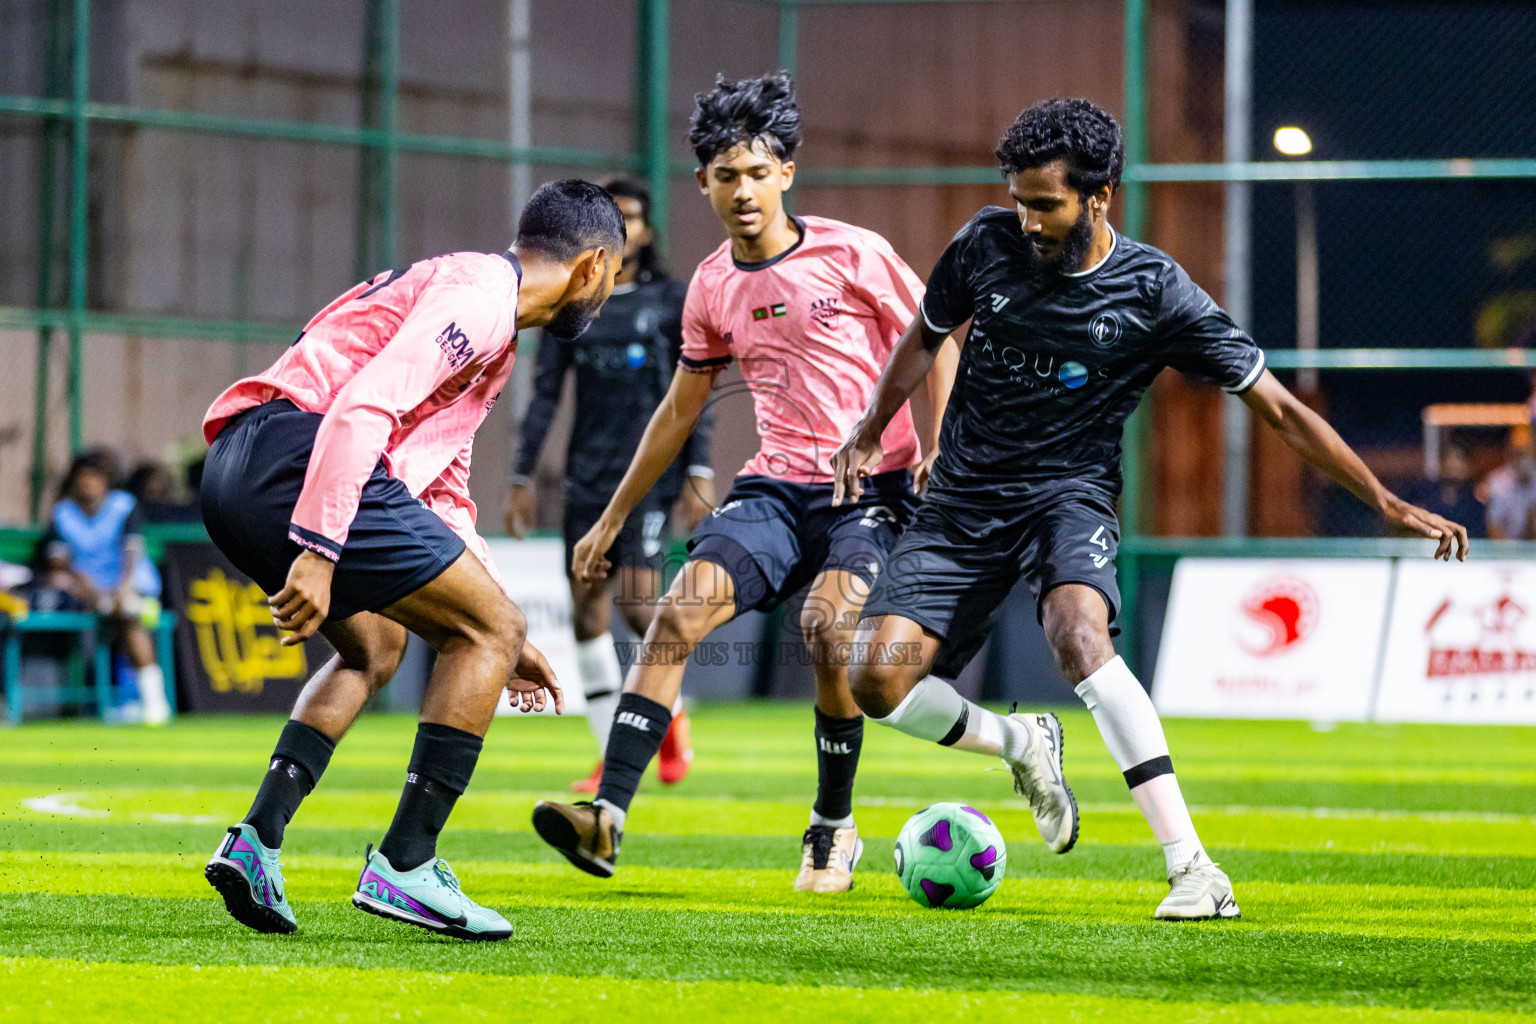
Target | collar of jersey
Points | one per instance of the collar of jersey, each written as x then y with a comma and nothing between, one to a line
770,261
517,268
1114,243
625,288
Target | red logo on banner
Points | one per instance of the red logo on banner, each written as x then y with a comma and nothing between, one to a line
1495,652
1278,614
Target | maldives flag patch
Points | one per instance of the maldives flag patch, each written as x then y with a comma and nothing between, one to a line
760,313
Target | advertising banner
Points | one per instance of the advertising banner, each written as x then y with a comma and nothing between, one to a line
228,657
1260,638
1461,645
534,571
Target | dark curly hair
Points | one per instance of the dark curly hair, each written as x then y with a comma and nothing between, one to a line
735,112
1086,134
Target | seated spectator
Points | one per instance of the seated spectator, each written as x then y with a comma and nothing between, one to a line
1454,495
94,551
1512,496
154,488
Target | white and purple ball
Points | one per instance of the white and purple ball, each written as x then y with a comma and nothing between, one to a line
950,856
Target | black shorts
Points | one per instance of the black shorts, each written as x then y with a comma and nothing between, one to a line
773,537
642,542
954,565
251,482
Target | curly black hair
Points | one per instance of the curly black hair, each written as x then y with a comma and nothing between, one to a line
1086,134
735,112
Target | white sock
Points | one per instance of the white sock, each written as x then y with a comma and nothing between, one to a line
934,711
817,819
1134,735
597,663
677,706
618,812
152,695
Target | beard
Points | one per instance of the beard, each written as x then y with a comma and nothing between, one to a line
1074,248
573,320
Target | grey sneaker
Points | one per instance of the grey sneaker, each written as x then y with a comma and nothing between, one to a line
1037,777
1199,891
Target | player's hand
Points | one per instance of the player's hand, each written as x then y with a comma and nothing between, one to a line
587,560
520,511
696,502
531,680
851,463
923,472
1411,519
303,603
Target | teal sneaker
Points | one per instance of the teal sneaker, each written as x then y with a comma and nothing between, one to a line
250,879
428,897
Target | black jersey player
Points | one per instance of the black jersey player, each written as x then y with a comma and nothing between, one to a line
623,365
1070,322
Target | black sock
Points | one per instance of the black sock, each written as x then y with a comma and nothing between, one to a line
441,764
639,724
837,760
298,761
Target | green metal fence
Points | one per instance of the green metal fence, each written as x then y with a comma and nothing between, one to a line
68,116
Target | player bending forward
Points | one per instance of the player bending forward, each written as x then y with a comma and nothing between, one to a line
812,308
339,481
623,364
1070,322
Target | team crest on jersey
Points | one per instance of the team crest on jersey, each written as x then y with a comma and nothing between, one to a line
1104,330
455,345
825,311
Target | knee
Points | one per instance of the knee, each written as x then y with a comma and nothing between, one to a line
587,621
1079,648
819,624
679,624
878,688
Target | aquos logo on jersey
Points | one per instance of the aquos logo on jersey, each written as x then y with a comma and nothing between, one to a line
1104,330
1276,615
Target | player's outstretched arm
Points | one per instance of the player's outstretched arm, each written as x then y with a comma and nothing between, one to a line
1310,436
928,405
910,362
664,437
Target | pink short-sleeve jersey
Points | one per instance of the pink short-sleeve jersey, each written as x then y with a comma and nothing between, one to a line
812,329
404,367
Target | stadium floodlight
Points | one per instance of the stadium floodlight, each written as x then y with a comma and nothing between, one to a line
1292,141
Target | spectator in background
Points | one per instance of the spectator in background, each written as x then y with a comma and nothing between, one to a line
1512,495
93,549
154,488
1454,495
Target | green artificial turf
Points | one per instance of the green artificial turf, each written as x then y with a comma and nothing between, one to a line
1386,873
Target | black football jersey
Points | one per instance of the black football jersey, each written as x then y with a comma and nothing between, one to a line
1054,364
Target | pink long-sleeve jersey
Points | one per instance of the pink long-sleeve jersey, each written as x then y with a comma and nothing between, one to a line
812,328
404,367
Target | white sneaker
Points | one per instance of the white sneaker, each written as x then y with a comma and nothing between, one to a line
1199,891
828,856
1037,777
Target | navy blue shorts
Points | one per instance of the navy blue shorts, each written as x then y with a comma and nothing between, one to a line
954,565
251,482
642,542
774,537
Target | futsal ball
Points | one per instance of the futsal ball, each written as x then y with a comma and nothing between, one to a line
950,856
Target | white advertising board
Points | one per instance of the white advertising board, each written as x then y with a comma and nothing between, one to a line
1259,638
534,571
1461,646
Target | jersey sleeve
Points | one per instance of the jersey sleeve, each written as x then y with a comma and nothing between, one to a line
883,279
949,302
704,348
449,329
1200,339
